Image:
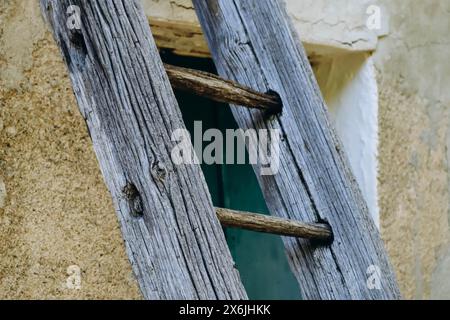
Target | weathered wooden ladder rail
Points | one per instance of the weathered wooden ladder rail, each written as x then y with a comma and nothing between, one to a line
172,235
253,43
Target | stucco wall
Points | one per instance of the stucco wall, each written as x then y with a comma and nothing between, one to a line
414,78
322,24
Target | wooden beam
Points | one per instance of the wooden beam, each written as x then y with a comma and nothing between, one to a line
252,42
274,225
213,87
172,236
183,37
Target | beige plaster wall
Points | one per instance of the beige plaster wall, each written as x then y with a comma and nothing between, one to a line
414,78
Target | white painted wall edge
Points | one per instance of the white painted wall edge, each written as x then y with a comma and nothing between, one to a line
348,83
322,25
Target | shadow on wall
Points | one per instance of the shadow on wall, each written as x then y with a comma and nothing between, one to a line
348,83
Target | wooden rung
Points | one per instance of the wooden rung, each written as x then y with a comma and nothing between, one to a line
215,88
274,225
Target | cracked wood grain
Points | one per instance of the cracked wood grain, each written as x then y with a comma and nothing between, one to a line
274,225
215,88
172,236
253,43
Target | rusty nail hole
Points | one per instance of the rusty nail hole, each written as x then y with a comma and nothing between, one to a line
159,171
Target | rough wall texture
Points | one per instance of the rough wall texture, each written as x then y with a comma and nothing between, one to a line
55,211
324,27
413,76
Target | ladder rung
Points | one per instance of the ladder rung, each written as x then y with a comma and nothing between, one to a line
215,88
274,225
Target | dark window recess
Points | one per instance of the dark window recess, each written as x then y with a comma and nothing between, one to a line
260,258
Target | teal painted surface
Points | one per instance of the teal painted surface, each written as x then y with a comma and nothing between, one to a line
260,258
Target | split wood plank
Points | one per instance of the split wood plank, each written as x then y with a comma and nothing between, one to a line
253,43
172,236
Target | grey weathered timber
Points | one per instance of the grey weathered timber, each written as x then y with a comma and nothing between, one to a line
253,43
173,238
274,225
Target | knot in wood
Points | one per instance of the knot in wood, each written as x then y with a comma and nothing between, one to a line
77,39
159,171
134,199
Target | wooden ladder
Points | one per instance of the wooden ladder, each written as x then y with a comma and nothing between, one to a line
172,235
